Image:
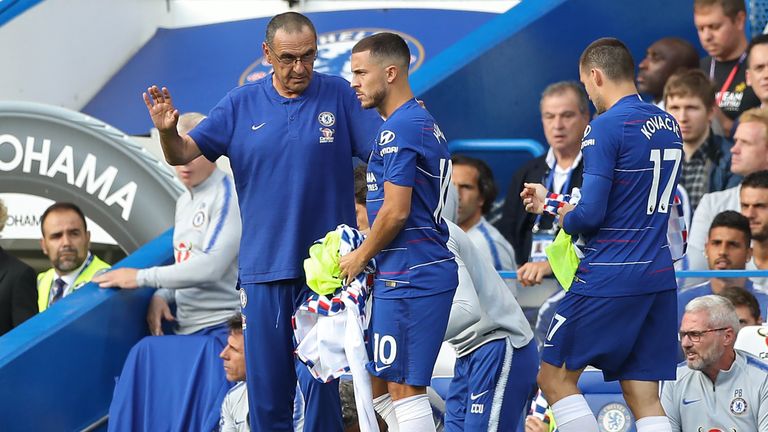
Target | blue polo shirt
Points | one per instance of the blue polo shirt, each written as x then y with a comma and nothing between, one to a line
411,151
632,156
292,164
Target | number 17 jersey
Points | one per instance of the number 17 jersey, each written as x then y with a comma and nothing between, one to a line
638,148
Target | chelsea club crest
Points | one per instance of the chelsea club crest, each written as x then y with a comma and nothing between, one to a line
333,52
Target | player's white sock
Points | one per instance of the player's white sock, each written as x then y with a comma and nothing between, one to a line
384,407
653,424
572,414
414,414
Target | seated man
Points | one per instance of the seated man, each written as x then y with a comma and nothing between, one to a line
474,180
206,240
747,307
663,58
234,409
727,248
66,241
18,294
720,388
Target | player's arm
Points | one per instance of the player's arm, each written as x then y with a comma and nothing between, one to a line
589,214
178,149
389,222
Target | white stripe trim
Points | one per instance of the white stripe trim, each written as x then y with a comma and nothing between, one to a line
501,385
633,170
393,280
393,249
625,229
421,228
429,263
618,264
427,173
374,200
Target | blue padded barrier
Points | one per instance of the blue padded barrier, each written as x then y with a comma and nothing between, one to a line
504,156
58,369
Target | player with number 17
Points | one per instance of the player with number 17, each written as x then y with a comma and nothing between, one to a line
620,312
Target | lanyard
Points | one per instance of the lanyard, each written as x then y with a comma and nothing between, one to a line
731,75
550,182
87,263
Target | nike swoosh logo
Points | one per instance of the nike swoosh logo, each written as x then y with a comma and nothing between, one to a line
254,127
379,369
473,396
688,402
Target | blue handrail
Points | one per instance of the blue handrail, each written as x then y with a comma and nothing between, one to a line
688,274
496,145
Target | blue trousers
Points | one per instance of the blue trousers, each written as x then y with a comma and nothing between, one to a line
272,369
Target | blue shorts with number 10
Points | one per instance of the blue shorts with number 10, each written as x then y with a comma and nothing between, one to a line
406,334
629,337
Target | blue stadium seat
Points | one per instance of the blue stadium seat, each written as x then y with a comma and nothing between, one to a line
504,156
606,402
440,385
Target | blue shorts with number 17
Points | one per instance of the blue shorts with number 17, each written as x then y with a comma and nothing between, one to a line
629,338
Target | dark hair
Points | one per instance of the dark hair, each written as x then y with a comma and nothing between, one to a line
235,323
562,87
385,46
361,183
685,56
611,56
731,8
485,183
757,40
735,220
691,82
290,22
742,297
62,206
757,180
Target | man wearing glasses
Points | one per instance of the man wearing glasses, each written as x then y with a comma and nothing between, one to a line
290,138
720,388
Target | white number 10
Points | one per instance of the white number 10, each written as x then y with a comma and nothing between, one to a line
663,203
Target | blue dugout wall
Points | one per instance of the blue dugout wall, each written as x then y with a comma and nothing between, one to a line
58,369
488,84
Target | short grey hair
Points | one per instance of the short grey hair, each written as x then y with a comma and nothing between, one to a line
720,311
188,121
561,87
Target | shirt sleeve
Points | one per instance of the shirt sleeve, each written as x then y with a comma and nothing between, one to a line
214,133
671,405
464,311
600,150
227,420
206,264
400,156
589,213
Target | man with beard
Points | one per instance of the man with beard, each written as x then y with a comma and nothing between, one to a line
727,248
720,388
663,58
66,241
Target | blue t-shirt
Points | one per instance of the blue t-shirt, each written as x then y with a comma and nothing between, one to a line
292,163
632,155
411,151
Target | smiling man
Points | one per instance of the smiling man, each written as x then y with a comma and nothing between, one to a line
66,241
719,387
727,248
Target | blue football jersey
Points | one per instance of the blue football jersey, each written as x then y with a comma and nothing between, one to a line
411,151
638,148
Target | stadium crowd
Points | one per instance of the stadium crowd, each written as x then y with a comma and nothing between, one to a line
430,254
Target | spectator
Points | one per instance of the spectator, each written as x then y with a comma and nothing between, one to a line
753,197
749,155
757,68
720,24
690,98
727,248
18,293
747,307
720,388
564,116
201,282
663,58
234,409
474,180
295,116
361,190
66,242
